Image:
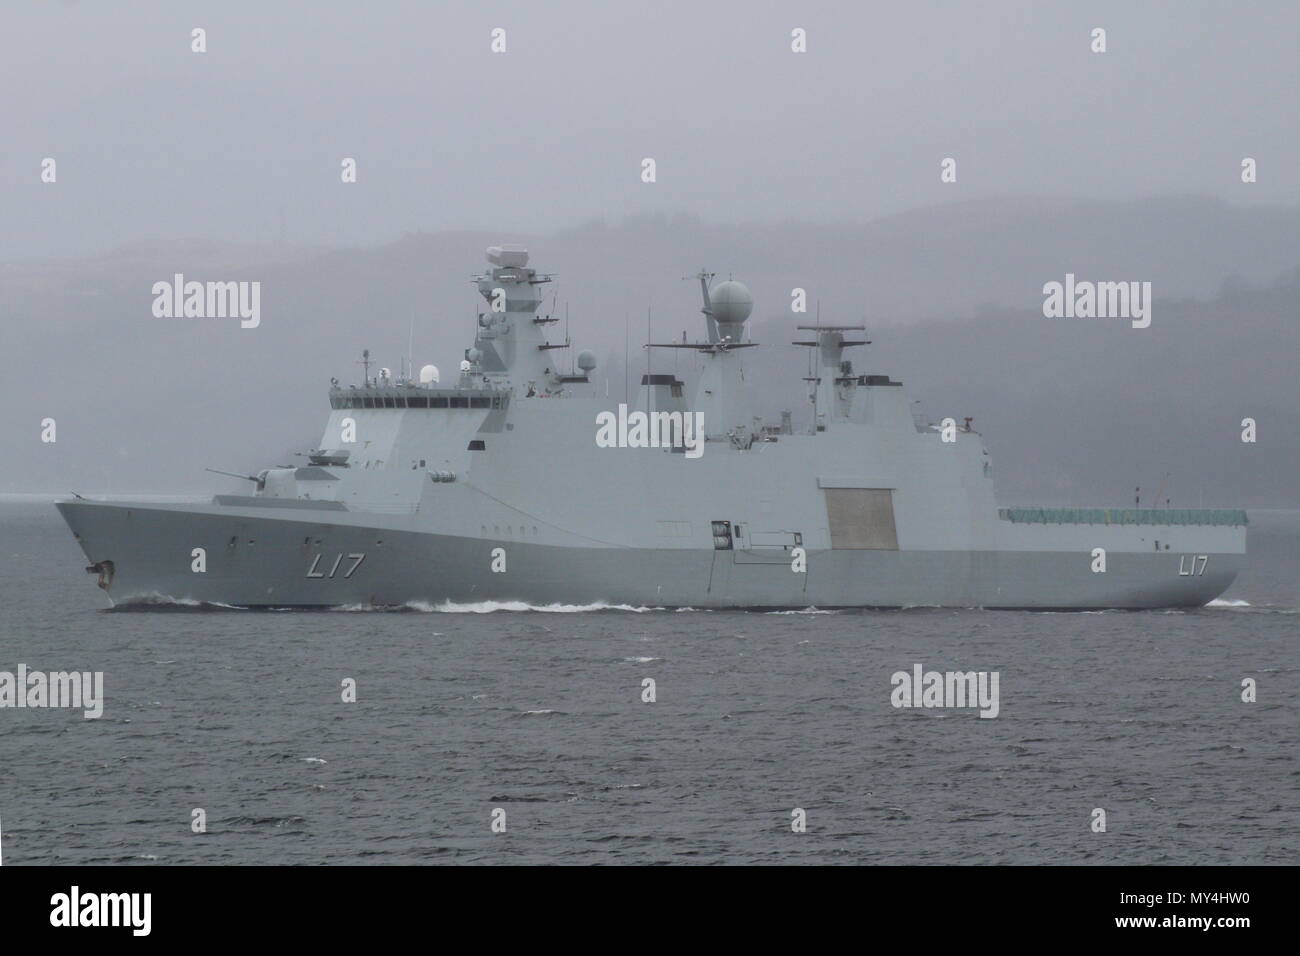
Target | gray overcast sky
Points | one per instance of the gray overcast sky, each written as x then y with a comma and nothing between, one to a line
153,141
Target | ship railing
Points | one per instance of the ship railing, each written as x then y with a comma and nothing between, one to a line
1121,516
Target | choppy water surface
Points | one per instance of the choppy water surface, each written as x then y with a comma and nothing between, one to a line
539,712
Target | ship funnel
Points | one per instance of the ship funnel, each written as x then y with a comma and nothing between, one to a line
661,396
661,393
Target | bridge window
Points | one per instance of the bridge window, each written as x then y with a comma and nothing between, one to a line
418,401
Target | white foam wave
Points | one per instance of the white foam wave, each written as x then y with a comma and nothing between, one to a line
158,599
1230,602
490,607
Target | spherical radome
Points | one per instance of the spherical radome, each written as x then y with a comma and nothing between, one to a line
731,302
586,360
429,375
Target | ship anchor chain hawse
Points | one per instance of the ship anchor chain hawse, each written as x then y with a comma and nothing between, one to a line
519,483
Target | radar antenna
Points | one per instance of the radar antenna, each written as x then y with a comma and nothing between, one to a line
705,278
716,342
365,363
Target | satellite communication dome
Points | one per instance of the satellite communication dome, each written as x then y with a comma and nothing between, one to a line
731,302
473,355
429,375
465,365
586,361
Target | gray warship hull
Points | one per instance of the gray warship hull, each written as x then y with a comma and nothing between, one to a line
515,486
302,557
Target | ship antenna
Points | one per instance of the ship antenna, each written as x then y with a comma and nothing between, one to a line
365,363
705,278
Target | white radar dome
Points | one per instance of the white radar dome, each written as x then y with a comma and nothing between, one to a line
731,302
586,361
429,375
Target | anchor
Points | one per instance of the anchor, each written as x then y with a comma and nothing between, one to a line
105,571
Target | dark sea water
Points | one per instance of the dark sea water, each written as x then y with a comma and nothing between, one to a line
540,713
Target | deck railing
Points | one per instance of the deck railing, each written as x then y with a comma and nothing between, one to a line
1152,516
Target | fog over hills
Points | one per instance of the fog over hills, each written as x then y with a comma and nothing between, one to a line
1076,411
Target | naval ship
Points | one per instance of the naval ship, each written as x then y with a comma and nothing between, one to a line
519,483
